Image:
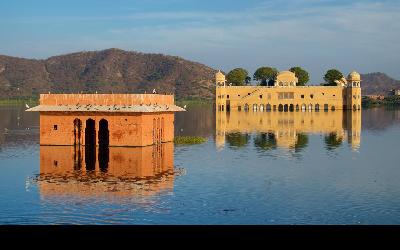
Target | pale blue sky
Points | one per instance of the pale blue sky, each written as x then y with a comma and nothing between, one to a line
317,35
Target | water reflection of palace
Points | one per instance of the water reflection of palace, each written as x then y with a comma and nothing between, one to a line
288,129
108,171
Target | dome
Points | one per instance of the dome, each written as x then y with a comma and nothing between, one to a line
219,74
220,78
354,76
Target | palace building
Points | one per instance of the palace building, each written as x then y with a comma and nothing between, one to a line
106,119
285,129
286,96
117,172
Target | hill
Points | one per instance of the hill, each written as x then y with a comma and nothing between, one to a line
378,84
106,71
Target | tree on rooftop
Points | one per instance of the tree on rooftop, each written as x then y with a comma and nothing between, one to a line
301,74
265,76
237,76
331,76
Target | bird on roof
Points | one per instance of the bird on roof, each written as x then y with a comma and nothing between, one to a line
184,106
27,106
154,91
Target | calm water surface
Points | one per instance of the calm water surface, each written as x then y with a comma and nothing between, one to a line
256,168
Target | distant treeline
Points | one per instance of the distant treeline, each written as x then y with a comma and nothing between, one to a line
390,101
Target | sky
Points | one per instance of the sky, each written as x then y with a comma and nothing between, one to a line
317,35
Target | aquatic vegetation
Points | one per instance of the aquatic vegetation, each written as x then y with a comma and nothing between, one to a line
189,140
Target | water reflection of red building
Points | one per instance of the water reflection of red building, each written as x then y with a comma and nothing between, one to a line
109,171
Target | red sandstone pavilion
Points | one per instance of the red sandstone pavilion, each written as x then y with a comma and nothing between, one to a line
106,119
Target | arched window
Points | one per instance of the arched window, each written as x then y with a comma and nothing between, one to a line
77,131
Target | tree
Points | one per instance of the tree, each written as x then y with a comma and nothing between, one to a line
237,76
301,74
237,139
265,141
265,76
333,141
248,80
301,143
331,76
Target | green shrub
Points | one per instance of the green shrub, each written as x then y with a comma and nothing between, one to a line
189,140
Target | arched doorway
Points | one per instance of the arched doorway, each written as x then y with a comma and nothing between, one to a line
297,107
286,108
158,130
104,158
90,145
246,107
303,107
162,129
280,108
261,107
268,107
317,107
90,132
104,141
291,107
254,107
326,107
77,131
310,107
104,134
154,130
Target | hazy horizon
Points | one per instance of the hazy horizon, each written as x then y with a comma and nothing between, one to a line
316,35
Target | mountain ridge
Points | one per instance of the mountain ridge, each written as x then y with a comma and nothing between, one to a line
118,71
105,71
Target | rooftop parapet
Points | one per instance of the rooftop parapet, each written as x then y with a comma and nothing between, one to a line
106,99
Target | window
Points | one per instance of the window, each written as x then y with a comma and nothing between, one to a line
227,96
323,93
55,163
285,95
239,108
334,95
238,95
260,96
311,96
55,127
248,93
302,96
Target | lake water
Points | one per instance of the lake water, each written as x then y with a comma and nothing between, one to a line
256,168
